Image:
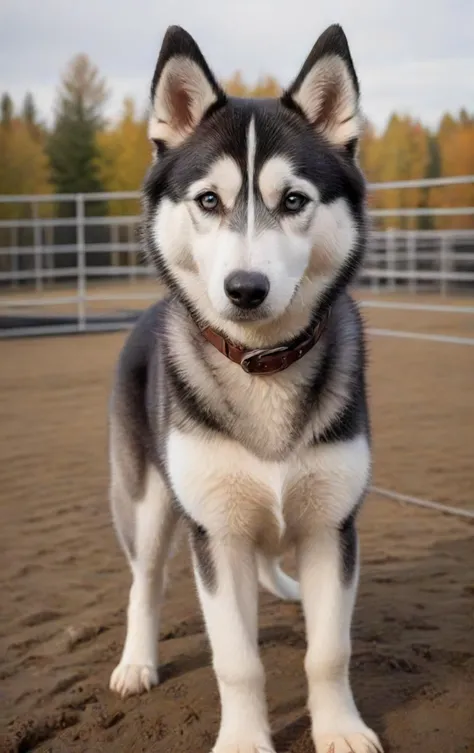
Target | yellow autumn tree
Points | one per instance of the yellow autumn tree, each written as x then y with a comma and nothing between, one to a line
369,153
455,140
266,86
236,86
402,153
124,157
24,167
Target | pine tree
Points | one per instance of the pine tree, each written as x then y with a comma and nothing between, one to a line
29,114
72,146
6,108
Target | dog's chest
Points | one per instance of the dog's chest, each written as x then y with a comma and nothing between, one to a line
228,490
263,414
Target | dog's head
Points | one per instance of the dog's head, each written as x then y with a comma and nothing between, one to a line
255,208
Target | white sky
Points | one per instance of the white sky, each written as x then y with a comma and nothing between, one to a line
412,56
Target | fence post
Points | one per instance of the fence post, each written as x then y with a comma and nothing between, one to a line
37,248
81,262
114,236
444,263
373,260
49,256
132,256
14,256
412,286
390,258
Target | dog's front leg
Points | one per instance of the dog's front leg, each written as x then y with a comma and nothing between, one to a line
328,570
226,575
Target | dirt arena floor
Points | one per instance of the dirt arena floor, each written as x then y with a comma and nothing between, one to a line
64,581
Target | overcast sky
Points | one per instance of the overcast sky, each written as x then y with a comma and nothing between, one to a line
413,56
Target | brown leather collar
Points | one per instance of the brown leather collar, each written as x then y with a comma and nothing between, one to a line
266,361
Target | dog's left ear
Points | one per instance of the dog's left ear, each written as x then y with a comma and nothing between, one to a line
326,90
182,91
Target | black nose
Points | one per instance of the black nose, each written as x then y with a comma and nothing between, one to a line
247,290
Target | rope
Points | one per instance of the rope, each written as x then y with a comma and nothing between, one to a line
421,336
446,509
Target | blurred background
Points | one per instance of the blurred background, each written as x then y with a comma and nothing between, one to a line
73,139
74,82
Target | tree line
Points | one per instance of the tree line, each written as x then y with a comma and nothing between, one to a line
82,152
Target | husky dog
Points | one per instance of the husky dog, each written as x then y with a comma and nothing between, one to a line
239,404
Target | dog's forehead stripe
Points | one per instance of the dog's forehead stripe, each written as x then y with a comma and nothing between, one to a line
251,152
251,179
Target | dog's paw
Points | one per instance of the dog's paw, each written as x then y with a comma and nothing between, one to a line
356,742
133,679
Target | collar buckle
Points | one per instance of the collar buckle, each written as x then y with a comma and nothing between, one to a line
255,361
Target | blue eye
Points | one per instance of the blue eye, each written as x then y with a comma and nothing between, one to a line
209,201
294,202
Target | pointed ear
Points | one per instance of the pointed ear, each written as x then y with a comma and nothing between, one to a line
182,91
326,90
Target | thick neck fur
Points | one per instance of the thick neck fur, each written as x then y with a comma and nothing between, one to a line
269,415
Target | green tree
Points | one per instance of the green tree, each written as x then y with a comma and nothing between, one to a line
29,109
29,116
72,146
7,109
28,112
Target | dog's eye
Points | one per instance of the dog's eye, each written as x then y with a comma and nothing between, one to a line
294,202
209,201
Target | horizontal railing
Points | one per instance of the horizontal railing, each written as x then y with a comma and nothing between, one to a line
40,254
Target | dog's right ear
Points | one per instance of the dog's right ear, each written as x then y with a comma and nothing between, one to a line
183,90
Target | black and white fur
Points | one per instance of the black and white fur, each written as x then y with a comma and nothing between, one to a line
268,191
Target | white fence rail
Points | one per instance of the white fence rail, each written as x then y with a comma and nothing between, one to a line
42,255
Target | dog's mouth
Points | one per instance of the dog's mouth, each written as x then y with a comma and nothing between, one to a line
263,314
235,314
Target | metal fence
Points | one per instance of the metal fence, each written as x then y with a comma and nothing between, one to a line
56,249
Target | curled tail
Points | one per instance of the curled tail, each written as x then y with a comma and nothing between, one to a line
273,579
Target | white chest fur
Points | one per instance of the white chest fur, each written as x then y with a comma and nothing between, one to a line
229,491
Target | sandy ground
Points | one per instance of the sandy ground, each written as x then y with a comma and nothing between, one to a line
64,581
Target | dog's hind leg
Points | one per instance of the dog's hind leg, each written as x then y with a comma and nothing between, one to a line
145,528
